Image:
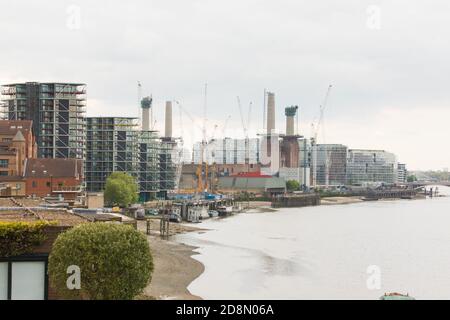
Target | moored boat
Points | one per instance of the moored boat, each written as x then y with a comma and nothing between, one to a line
213,213
396,296
225,210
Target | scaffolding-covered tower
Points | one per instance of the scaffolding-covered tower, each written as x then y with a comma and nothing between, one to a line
111,146
58,114
168,161
149,167
116,144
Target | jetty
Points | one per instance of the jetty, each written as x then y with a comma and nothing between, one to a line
292,201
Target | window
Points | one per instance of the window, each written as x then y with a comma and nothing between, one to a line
34,184
3,280
28,280
24,278
4,163
48,184
3,173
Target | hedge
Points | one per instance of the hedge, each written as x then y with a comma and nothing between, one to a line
17,238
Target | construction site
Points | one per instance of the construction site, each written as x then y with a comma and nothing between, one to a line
219,169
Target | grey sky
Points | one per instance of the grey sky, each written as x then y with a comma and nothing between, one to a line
390,76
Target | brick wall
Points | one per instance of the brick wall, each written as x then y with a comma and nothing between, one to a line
41,187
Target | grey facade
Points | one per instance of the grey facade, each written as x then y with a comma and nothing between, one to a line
371,166
57,111
402,173
331,164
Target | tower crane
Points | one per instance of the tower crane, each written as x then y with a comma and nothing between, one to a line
245,127
224,129
315,131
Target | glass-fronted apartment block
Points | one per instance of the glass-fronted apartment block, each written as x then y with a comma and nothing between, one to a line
229,151
365,166
331,164
305,158
57,111
116,144
402,173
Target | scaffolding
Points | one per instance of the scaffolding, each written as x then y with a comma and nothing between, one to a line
116,144
111,144
58,114
149,167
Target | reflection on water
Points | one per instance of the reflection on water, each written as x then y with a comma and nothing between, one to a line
324,252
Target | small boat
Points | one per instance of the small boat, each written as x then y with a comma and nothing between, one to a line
174,217
396,296
225,210
213,213
369,199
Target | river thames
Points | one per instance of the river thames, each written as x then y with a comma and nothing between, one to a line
355,251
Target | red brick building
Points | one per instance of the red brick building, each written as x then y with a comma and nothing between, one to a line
22,174
54,177
17,144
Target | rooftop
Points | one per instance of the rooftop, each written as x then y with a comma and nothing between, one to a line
47,167
12,127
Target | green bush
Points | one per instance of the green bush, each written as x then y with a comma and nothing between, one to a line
121,190
114,260
17,238
293,185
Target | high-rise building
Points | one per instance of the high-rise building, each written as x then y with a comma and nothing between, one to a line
331,164
369,166
57,111
305,162
111,146
402,173
116,144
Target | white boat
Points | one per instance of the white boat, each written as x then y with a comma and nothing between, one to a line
225,210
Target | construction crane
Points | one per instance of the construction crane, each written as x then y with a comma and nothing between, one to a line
315,130
224,129
245,127
139,92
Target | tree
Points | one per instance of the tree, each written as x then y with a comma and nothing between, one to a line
411,178
121,190
113,262
292,185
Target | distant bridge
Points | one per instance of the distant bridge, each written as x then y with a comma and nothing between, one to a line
417,184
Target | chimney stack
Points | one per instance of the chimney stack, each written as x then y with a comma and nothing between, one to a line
270,112
168,131
290,113
146,104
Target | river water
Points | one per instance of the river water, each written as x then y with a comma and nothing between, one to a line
355,251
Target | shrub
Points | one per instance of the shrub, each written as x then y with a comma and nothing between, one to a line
114,260
293,185
121,189
17,238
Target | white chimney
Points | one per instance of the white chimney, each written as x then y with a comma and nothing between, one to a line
270,112
168,131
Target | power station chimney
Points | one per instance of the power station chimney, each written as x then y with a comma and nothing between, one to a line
270,112
290,113
168,132
146,104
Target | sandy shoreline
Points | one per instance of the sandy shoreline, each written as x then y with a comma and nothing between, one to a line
174,267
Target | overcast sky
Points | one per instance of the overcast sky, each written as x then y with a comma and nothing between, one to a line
389,63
